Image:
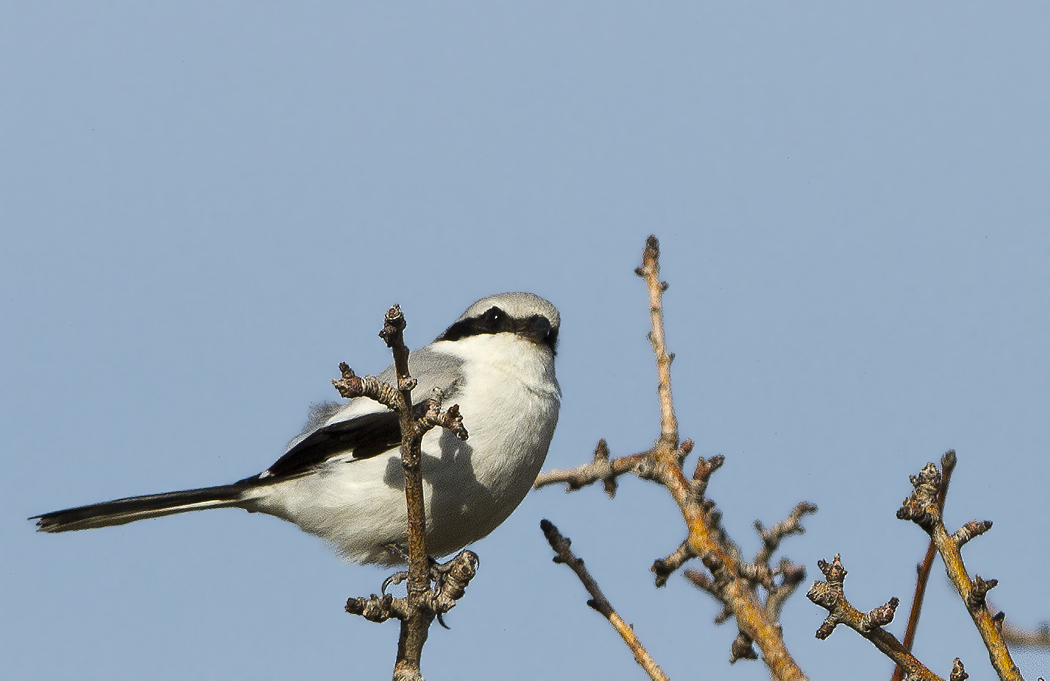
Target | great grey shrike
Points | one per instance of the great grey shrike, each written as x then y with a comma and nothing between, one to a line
341,478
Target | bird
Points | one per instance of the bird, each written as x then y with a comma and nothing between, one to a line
341,478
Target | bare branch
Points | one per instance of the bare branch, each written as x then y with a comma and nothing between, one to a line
830,596
665,567
418,610
650,271
926,566
350,385
791,575
455,575
922,508
433,417
598,601
600,469
772,537
734,582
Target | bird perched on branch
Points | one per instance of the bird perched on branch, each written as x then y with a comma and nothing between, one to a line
341,479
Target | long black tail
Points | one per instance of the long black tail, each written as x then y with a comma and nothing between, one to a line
122,511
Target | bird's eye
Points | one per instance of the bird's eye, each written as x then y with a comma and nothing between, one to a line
493,315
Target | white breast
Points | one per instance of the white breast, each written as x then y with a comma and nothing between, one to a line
509,399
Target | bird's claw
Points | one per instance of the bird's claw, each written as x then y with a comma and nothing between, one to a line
438,572
394,580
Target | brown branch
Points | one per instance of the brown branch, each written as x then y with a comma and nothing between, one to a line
456,575
650,271
418,610
598,601
600,469
772,537
791,576
663,464
642,464
665,567
705,540
922,508
350,385
924,568
762,574
416,626
830,596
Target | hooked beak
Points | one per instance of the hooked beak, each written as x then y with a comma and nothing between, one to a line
537,329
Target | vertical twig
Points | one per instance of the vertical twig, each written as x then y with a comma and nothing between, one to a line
922,509
650,271
923,577
663,464
751,618
415,627
418,610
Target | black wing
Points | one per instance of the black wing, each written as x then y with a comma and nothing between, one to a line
369,434
366,436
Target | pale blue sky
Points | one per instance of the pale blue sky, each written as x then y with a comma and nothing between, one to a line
207,206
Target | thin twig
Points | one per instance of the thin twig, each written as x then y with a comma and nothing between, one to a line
600,469
772,537
921,507
416,612
650,271
924,569
415,627
706,539
598,601
752,619
830,595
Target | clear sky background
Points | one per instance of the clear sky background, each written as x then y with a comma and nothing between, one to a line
205,207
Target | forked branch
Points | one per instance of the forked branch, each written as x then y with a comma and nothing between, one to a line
922,508
422,605
733,582
831,596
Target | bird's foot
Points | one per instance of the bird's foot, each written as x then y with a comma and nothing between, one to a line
438,572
